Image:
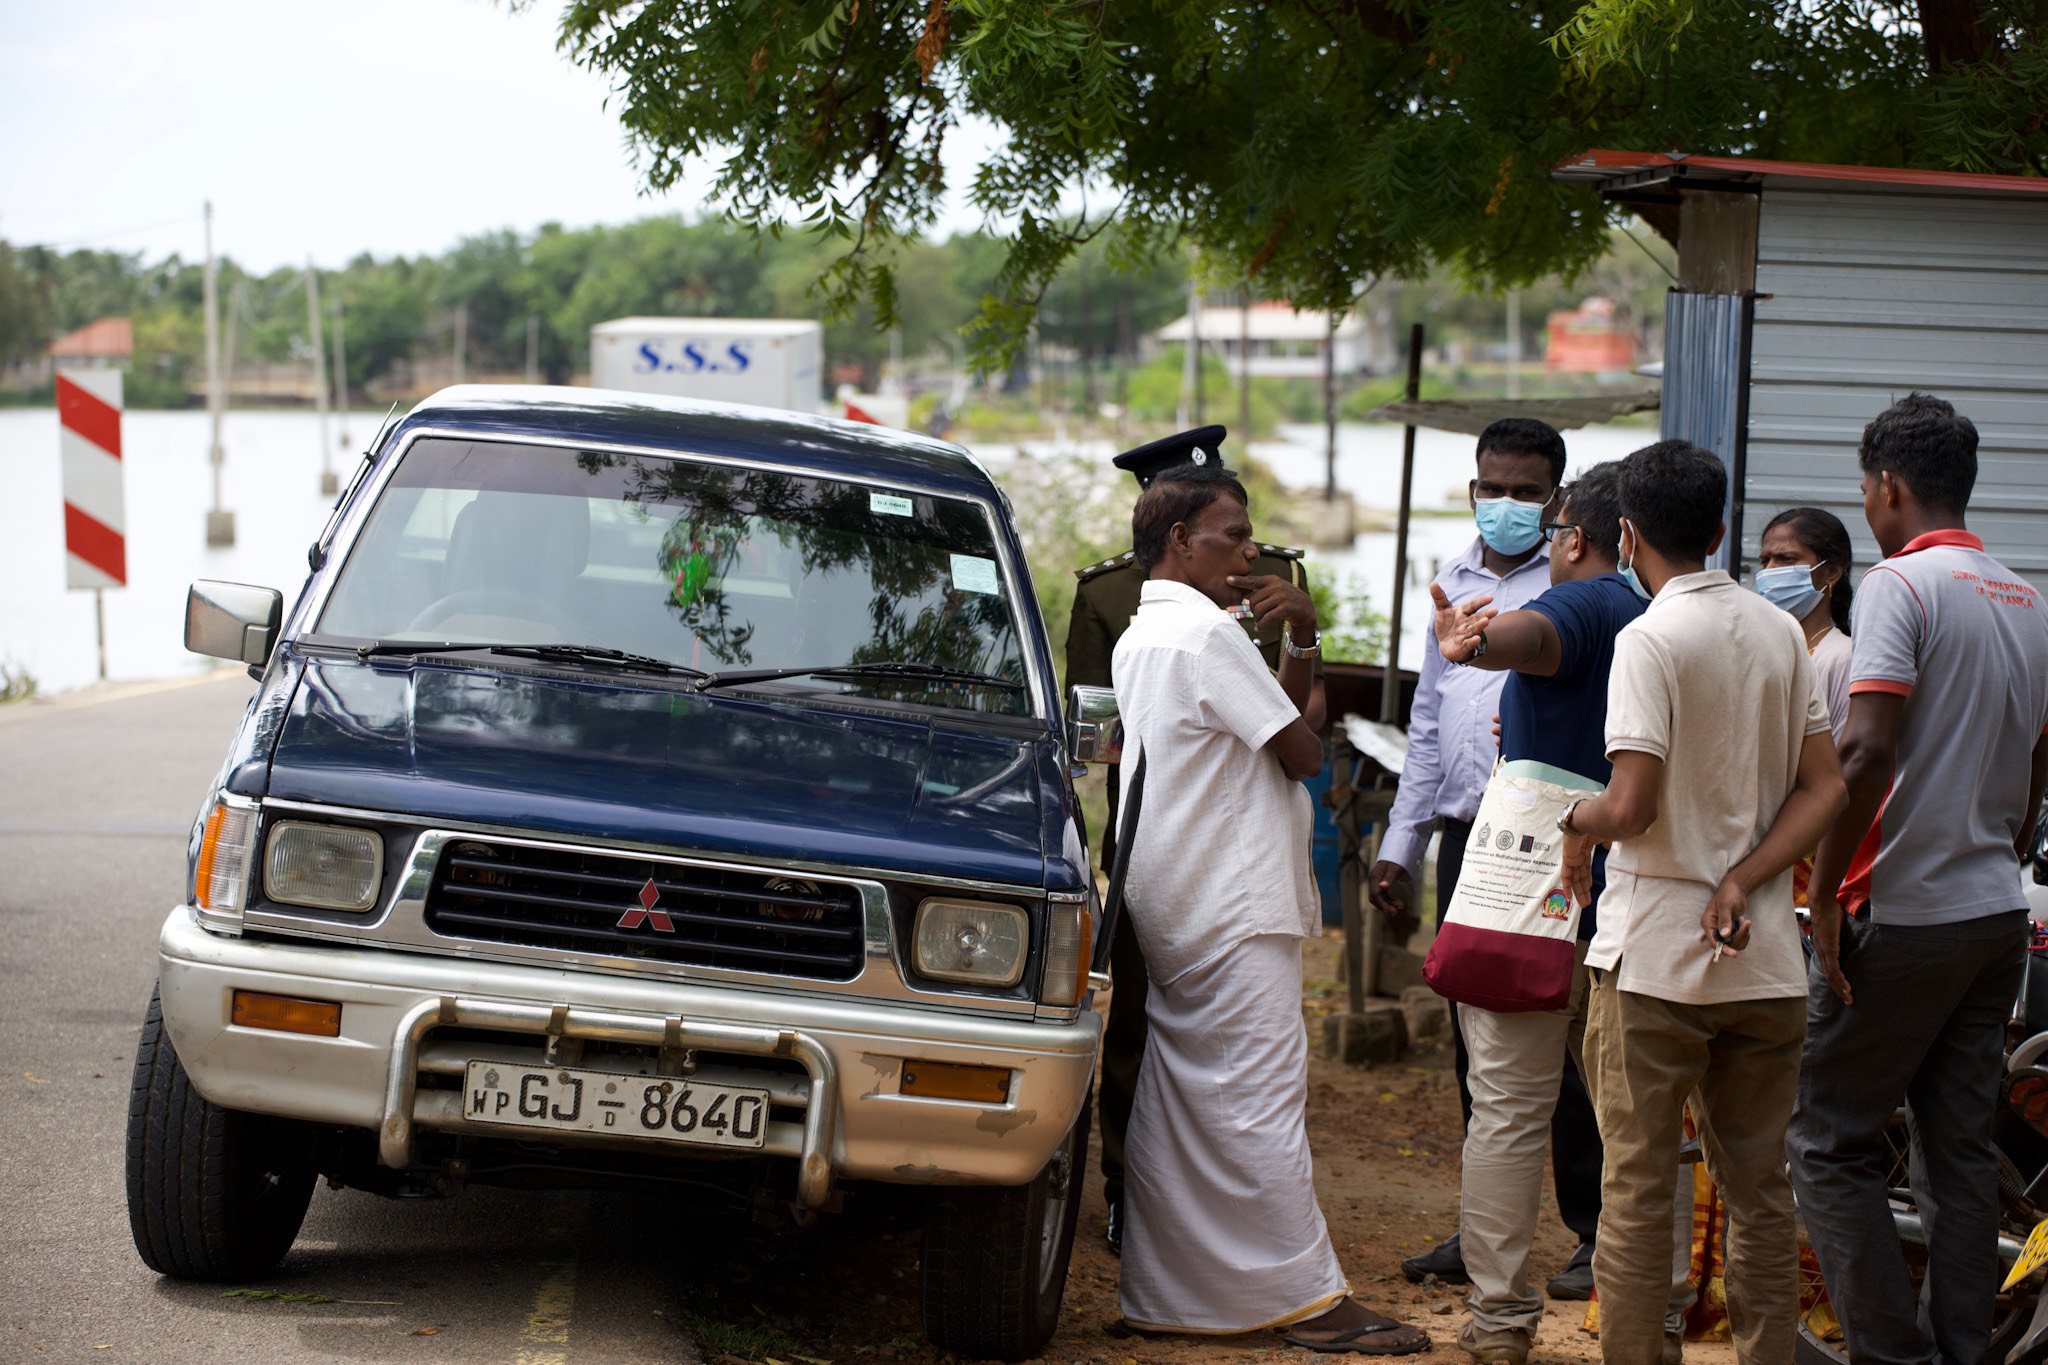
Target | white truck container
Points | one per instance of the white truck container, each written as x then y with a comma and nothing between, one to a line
770,362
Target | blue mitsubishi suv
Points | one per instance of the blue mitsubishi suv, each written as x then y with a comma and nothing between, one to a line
637,788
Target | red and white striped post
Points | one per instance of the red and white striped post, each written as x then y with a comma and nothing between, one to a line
95,511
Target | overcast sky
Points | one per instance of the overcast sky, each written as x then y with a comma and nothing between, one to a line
389,126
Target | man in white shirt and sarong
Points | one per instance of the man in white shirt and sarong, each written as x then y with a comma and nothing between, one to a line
1224,1234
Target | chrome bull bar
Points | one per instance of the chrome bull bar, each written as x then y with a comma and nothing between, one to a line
814,1164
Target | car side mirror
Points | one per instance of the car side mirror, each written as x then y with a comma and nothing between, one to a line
232,620
1095,731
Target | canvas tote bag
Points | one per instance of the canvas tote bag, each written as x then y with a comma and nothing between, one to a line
1508,940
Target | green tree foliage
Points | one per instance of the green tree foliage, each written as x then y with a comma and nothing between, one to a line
1305,145
400,309
22,325
1959,84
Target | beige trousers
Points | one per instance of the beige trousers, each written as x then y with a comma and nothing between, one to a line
1516,1066
1739,1062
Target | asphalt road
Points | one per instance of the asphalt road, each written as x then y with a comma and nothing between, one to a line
96,794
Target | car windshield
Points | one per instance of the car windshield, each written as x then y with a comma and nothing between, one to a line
703,565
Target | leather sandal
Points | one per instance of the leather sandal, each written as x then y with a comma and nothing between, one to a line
1406,1339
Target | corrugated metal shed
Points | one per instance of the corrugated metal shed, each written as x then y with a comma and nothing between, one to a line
1703,336
1864,285
1866,294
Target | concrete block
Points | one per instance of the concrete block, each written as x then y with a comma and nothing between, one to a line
1428,1014
1399,970
1378,1035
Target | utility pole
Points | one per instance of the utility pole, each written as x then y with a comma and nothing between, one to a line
1514,343
1390,686
328,482
533,348
340,382
1088,411
220,524
1123,358
461,339
1330,409
1244,367
236,303
1195,345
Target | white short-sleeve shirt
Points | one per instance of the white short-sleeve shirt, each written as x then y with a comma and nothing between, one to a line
1222,850
1716,682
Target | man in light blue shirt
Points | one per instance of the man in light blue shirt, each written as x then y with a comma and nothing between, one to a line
1451,749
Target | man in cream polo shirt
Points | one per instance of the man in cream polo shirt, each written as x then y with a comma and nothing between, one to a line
1724,776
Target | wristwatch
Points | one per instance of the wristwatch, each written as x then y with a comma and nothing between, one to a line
1564,821
1299,652
1478,651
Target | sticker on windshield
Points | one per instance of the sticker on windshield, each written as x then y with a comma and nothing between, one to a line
891,505
972,573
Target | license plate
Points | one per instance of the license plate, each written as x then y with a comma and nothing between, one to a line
573,1101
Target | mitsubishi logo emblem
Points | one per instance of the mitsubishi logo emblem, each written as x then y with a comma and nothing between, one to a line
646,913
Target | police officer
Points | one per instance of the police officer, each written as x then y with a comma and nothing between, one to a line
1104,602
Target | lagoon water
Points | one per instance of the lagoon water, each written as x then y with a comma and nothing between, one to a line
271,481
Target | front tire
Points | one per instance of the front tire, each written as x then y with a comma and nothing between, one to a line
213,1193
995,1258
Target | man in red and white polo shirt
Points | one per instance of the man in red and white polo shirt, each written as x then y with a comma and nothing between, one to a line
1945,760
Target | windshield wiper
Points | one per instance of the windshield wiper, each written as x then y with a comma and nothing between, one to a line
574,654
912,672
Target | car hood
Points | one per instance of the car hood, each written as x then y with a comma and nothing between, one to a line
719,772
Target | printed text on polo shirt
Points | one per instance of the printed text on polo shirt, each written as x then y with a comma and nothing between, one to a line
2011,594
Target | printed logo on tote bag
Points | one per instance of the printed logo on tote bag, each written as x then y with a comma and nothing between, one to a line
1508,940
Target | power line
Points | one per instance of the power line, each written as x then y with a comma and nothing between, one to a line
75,242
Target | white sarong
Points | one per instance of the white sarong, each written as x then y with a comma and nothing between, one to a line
1225,1234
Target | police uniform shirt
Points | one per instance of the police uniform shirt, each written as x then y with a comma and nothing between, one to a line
1106,598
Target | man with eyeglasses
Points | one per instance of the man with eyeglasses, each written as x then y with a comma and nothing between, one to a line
1555,655
1450,753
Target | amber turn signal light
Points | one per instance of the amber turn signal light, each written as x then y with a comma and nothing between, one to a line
948,1081
283,1014
2026,1094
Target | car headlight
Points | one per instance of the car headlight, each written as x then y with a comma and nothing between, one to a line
971,941
220,881
328,867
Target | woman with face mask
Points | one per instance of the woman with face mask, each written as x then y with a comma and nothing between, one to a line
1803,567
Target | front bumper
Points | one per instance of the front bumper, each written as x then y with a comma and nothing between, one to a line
856,1122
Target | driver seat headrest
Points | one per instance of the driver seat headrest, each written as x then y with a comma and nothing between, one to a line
530,542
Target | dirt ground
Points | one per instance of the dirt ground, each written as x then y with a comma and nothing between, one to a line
1386,1142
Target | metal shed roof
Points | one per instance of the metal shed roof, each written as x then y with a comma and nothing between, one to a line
1614,170
1869,282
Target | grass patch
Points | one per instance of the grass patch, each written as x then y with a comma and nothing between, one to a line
16,683
747,1341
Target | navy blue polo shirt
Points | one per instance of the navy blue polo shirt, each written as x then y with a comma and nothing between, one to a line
1562,719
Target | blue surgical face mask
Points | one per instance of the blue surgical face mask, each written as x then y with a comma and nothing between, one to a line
1789,587
1627,569
1507,525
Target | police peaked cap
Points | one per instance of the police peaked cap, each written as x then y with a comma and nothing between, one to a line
1203,445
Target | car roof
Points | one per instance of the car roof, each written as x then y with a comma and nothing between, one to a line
612,417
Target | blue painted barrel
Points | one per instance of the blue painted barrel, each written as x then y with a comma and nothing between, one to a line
1326,855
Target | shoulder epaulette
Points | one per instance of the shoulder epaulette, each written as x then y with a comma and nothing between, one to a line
1281,551
1088,571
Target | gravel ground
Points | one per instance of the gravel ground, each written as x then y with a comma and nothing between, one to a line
1386,1141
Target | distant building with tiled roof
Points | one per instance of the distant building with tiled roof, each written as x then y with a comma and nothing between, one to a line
97,345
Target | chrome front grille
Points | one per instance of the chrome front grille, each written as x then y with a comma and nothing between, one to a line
586,901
